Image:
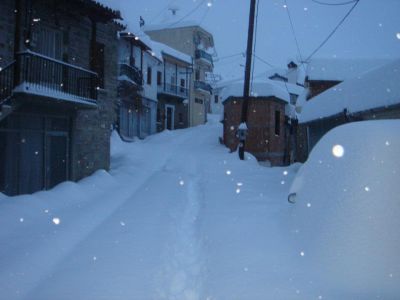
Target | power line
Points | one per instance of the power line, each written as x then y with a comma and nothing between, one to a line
264,61
333,31
161,11
187,15
334,4
294,32
229,56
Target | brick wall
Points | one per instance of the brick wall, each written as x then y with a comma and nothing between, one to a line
261,141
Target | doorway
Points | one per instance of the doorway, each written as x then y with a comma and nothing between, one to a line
169,117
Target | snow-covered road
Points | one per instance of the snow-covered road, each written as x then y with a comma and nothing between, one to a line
177,217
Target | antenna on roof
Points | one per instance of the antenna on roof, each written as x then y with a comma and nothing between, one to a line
174,9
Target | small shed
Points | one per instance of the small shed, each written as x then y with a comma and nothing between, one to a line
268,126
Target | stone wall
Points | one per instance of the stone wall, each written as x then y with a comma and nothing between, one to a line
7,27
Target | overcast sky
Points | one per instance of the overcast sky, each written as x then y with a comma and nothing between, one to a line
370,31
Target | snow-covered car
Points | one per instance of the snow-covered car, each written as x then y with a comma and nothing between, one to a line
345,214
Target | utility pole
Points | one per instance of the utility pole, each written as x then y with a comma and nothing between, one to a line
242,131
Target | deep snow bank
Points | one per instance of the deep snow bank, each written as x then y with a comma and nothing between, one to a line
345,222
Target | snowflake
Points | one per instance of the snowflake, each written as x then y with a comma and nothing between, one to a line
56,221
338,151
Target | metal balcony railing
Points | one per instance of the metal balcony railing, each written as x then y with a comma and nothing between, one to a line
201,85
132,73
6,82
40,74
201,54
173,90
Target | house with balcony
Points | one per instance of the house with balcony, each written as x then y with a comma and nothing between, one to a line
191,38
58,84
173,87
137,89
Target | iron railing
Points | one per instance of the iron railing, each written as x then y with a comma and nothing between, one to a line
201,85
173,90
201,54
132,73
6,82
51,77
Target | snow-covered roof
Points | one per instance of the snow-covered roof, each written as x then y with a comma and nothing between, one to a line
160,49
171,25
335,69
259,89
290,87
374,89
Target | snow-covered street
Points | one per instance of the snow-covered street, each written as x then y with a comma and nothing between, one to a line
178,217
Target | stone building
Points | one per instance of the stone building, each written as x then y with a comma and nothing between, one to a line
138,69
192,39
267,123
58,90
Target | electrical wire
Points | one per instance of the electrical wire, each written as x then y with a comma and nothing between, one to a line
334,4
187,15
229,56
264,61
333,31
294,32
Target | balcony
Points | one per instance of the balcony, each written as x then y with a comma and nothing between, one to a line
131,74
43,76
173,90
202,86
203,55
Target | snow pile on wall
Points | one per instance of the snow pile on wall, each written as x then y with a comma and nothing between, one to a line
258,89
345,222
378,88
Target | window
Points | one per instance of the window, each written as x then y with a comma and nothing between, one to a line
180,117
183,84
149,75
98,62
277,122
216,98
48,42
159,78
199,101
293,99
197,75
